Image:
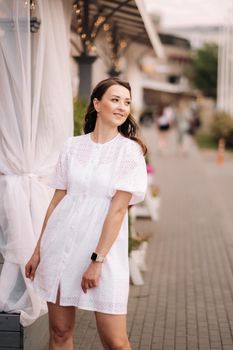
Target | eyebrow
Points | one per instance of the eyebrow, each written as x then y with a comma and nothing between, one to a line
127,98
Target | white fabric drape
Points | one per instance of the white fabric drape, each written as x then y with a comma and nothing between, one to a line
35,119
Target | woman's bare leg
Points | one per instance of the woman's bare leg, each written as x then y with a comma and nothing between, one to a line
61,326
112,331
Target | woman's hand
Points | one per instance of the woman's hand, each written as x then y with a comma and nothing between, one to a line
91,276
32,265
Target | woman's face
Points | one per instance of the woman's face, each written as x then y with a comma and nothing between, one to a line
114,106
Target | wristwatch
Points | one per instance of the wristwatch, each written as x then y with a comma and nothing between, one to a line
97,257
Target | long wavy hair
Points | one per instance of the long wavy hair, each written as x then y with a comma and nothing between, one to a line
128,129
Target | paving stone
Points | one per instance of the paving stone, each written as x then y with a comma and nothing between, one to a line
186,302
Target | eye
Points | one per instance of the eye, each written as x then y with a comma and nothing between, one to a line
127,103
114,99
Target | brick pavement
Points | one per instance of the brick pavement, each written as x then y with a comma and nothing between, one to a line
186,302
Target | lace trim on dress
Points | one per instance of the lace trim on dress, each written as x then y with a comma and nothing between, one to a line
95,305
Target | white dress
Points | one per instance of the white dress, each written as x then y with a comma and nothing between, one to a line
91,173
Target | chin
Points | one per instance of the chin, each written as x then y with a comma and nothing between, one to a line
116,124
119,122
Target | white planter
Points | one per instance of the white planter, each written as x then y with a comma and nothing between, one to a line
149,209
137,264
140,210
153,205
142,256
150,179
135,273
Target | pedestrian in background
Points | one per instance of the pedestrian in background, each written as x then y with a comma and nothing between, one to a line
183,127
164,122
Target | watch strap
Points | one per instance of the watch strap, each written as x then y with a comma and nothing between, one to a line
97,257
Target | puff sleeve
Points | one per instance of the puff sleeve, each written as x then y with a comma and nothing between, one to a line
131,174
59,177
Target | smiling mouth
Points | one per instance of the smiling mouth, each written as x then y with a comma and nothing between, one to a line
119,115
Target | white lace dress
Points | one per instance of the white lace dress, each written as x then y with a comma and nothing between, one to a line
91,173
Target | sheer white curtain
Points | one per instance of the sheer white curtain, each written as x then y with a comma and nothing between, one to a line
35,119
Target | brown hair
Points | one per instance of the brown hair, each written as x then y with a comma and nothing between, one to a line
128,129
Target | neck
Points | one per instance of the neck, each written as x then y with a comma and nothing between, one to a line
103,133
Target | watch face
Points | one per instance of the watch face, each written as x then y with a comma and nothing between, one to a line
94,256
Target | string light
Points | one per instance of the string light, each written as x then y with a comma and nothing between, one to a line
93,48
106,27
115,44
77,11
123,44
99,21
32,5
87,38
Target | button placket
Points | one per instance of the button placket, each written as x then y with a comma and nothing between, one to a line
97,157
69,241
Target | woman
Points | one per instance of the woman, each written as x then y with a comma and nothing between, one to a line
81,258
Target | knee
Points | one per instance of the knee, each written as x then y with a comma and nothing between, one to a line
118,343
61,335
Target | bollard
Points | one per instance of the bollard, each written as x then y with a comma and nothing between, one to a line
221,152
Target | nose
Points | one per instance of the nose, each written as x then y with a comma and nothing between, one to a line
121,106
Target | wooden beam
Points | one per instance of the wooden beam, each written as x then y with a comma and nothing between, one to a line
111,14
128,12
106,2
127,20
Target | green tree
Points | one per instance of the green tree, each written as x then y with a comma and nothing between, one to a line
80,107
222,127
203,71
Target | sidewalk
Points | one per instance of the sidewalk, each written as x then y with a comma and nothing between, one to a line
186,302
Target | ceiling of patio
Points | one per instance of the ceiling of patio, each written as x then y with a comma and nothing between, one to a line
124,16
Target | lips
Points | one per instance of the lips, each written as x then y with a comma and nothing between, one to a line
119,114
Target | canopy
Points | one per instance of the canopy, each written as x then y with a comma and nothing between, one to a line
129,16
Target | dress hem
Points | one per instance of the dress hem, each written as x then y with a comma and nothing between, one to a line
81,307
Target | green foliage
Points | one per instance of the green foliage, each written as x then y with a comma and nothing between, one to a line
205,140
222,127
137,239
80,106
203,72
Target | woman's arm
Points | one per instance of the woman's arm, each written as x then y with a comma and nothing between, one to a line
110,231
32,264
57,197
113,222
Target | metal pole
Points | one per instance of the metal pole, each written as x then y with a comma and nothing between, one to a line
85,75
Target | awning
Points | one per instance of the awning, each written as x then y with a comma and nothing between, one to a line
129,16
165,86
